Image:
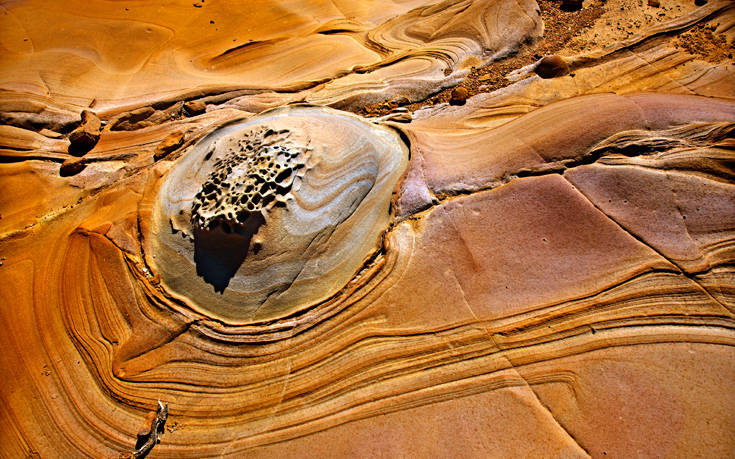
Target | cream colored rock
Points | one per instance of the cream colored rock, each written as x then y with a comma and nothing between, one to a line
268,215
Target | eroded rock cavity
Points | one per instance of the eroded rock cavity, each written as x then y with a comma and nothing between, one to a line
256,175
272,214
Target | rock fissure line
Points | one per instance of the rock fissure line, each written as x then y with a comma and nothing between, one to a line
684,273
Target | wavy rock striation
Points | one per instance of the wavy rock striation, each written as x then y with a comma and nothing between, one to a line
274,212
544,270
329,52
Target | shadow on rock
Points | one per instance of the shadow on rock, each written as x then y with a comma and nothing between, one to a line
219,252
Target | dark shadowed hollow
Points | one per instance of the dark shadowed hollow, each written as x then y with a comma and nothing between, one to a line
218,254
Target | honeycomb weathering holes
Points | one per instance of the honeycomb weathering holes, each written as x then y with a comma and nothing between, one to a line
271,214
256,175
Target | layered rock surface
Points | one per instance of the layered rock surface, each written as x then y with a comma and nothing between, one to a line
544,268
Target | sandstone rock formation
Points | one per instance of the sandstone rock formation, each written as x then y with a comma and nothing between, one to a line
367,228
274,213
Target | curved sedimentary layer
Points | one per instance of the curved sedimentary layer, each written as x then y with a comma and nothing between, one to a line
500,297
548,261
487,157
546,270
268,215
263,47
430,47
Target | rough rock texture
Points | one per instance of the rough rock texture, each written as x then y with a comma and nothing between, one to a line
169,144
86,135
366,269
273,213
248,179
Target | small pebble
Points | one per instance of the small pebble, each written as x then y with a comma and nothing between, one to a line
86,135
195,107
551,67
571,5
72,166
403,100
459,96
168,145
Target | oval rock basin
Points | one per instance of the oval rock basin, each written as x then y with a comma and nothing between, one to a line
271,214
